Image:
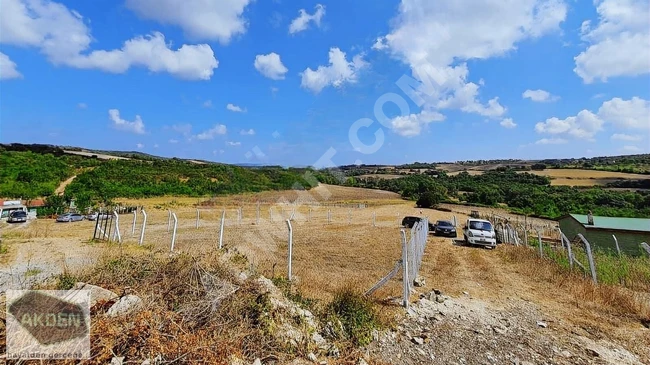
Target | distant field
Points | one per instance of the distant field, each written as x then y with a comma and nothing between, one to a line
471,172
381,176
99,155
577,177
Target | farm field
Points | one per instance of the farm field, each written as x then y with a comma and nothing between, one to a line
577,177
349,250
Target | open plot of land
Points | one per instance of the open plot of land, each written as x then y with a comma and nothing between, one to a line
337,245
577,177
99,155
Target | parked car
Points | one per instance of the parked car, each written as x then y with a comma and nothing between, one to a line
92,216
410,221
479,232
18,216
444,228
70,217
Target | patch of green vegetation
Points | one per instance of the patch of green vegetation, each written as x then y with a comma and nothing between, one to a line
65,281
356,314
293,294
32,272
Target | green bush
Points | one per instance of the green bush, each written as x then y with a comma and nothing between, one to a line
356,313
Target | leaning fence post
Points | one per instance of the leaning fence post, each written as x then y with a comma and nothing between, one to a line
197,218
405,276
539,237
171,248
144,225
563,238
592,264
618,249
223,219
135,215
290,245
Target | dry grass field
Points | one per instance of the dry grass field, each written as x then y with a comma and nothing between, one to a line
577,177
349,250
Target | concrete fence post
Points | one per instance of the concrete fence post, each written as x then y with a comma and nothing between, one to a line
541,250
135,216
309,215
117,227
144,226
198,215
618,249
374,219
171,248
290,239
590,257
223,220
406,292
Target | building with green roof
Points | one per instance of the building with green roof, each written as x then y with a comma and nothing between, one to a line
629,232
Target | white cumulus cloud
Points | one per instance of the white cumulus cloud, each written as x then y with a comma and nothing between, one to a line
627,114
551,141
411,125
218,129
63,37
8,68
539,96
200,19
270,66
625,137
248,132
235,108
339,71
304,18
508,123
619,45
584,125
435,38
233,144
136,126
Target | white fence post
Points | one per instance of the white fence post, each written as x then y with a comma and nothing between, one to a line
290,245
171,248
455,222
539,237
223,220
309,216
592,264
405,266
117,227
374,219
135,215
618,249
197,219
144,226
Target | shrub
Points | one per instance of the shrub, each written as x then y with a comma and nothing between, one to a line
356,313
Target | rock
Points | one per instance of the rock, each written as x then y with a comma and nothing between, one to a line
421,352
311,357
419,281
566,354
465,293
257,362
440,299
418,340
97,293
499,330
542,324
242,276
124,305
117,360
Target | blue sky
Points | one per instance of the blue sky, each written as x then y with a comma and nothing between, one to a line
282,82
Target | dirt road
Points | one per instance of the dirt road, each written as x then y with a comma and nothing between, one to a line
495,312
61,188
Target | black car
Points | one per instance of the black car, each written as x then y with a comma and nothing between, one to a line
410,221
18,216
444,228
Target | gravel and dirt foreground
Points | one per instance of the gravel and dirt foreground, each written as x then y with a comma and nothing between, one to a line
235,306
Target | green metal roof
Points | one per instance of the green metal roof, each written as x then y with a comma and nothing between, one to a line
626,224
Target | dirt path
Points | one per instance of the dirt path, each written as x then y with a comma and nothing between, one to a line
495,312
61,189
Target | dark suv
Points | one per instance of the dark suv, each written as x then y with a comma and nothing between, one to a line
410,221
18,216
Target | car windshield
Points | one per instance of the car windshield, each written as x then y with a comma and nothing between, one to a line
18,214
444,224
478,225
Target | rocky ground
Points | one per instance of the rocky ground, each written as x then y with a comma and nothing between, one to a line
465,330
